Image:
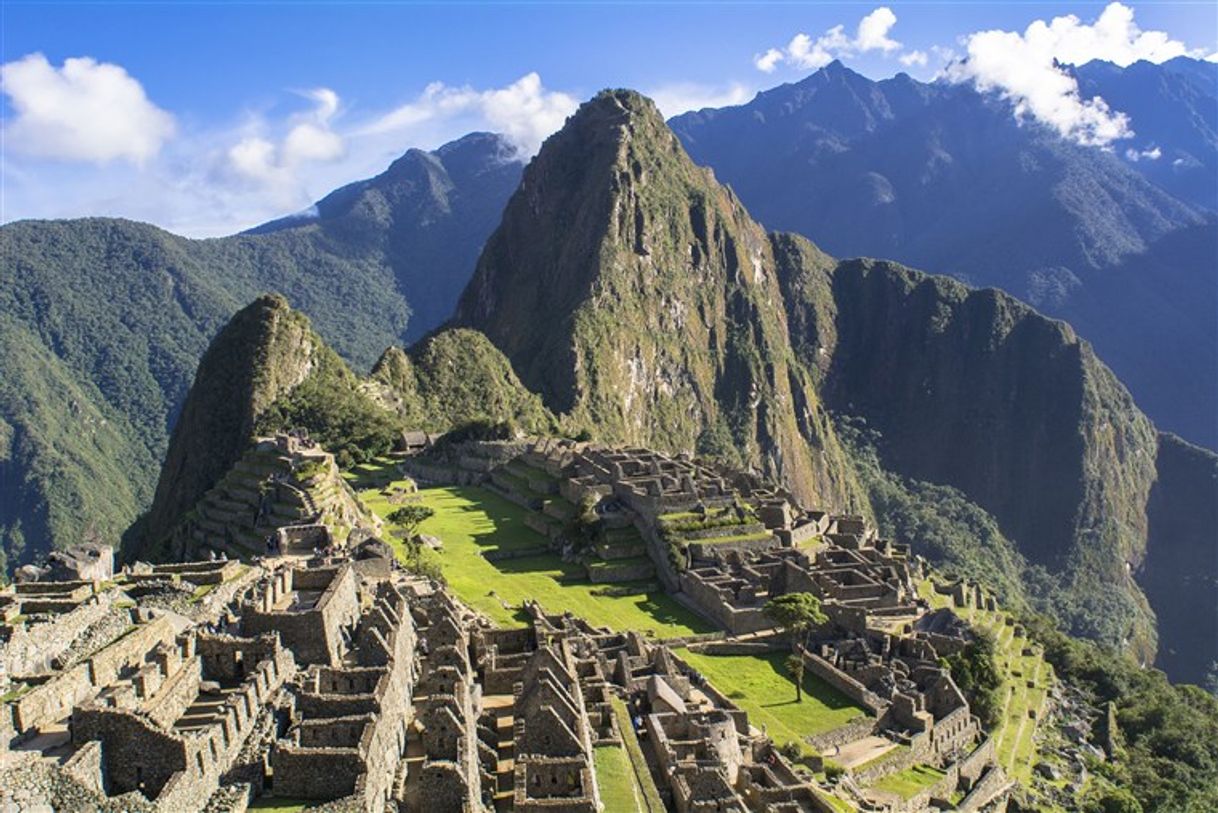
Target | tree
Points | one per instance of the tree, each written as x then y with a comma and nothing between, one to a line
975,670
797,613
410,517
795,668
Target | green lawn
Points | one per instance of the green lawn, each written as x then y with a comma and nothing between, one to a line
759,684
471,521
615,778
911,781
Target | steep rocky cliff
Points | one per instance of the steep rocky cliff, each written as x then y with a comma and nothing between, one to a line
944,178
973,389
1180,571
637,296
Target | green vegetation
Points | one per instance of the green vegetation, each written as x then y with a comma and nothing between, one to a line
615,778
645,786
74,468
911,781
797,613
975,670
760,685
337,413
940,521
455,378
472,522
116,316
1018,700
408,517
127,310
1168,735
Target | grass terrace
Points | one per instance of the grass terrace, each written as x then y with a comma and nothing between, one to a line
1025,686
473,521
911,781
759,685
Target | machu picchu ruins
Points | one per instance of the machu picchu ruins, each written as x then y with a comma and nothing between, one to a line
318,667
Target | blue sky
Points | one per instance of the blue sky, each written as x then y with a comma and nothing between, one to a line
210,117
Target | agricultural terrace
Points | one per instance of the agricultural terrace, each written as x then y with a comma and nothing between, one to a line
473,522
760,685
1026,680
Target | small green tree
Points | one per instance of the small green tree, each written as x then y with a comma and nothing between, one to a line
796,613
795,668
410,517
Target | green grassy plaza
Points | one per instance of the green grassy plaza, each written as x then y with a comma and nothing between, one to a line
472,521
759,685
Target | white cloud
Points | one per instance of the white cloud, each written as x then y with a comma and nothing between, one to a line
84,111
806,53
524,111
1027,68
912,58
228,176
682,97
1152,154
873,31
279,168
768,61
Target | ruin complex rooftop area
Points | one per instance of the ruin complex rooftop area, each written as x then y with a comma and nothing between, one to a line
300,658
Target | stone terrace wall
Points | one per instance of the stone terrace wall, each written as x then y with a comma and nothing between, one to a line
31,647
842,682
56,698
851,731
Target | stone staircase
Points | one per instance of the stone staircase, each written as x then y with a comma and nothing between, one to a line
268,489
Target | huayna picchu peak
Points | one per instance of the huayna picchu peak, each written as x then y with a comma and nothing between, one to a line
617,455
636,296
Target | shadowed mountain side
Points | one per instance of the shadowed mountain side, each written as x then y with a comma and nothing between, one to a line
945,179
1180,573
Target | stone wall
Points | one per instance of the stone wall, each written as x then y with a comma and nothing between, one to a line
851,731
316,773
993,784
314,635
842,682
56,698
31,648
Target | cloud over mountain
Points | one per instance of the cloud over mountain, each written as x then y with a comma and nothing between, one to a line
806,53
83,111
1028,68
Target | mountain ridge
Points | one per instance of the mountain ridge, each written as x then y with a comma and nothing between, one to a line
943,178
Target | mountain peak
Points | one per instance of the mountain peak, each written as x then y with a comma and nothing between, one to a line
657,296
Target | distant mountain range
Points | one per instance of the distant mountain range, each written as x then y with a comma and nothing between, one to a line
943,178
